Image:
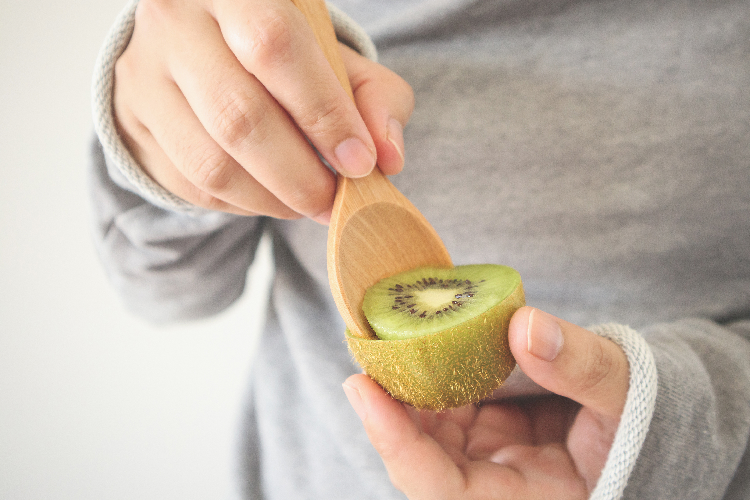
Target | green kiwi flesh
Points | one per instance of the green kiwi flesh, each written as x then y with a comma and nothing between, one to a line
437,360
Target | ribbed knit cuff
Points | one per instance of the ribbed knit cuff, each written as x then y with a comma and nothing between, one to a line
104,123
350,33
102,87
636,416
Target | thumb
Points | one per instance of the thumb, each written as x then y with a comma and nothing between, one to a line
570,361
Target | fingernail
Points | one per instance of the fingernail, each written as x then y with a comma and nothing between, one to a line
355,399
545,338
395,135
354,157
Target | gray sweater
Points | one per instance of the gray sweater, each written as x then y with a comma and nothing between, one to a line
600,148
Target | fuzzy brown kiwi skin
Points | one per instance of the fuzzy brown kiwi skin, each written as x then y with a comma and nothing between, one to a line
447,369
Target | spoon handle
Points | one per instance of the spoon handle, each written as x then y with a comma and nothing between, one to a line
375,230
316,13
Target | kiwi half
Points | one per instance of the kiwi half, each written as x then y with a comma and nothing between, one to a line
442,333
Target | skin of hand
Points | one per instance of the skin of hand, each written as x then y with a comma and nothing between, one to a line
222,101
536,448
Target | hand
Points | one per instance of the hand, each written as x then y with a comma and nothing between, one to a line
538,448
217,100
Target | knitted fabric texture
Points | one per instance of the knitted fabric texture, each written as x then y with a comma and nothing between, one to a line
102,107
636,416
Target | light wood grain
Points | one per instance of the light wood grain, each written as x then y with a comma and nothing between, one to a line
375,230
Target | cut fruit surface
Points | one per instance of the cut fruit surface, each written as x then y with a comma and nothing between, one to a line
442,334
428,300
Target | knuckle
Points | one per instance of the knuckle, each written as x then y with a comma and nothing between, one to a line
296,198
152,13
206,200
237,118
403,90
208,169
407,92
597,369
311,198
130,71
386,81
124,70
324,118
272,40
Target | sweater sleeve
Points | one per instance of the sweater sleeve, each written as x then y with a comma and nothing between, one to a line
167,264
169,259
637,413
686,423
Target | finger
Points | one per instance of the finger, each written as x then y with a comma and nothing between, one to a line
547,472
448,428
589,441
416,464
385,102
497,426
419,467
550,417
190,163
428,421
176,151
147,152
570,361
273,41
463,416
241,116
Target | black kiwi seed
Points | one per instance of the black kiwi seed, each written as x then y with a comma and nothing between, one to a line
403,297
457,352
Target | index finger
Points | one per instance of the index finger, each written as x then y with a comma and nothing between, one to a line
251,129
417,465
272,41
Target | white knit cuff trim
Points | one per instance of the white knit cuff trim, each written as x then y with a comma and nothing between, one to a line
103,113
104,123
636,417
352,34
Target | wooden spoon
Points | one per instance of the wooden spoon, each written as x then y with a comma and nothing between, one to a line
375,230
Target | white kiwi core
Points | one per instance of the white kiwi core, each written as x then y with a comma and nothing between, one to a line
436,298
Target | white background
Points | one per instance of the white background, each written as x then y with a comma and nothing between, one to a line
94,403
